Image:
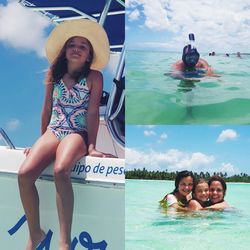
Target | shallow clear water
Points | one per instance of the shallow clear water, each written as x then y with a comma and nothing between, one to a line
149,227
154,97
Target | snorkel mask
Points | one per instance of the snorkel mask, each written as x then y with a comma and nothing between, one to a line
190,56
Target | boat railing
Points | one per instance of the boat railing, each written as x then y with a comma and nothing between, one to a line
115,106
6,139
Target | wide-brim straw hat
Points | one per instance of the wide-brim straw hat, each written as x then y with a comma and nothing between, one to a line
88,29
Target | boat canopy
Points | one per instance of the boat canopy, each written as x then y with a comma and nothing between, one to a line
110,14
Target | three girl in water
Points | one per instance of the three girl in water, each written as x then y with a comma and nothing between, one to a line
190,194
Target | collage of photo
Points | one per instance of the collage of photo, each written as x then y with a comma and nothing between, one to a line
124,125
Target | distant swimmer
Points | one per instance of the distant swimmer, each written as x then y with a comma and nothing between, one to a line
238,55
191,66
212,54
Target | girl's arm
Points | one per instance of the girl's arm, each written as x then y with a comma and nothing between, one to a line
96,85
47,106
172,202
46,111
179,208
218,206
194,205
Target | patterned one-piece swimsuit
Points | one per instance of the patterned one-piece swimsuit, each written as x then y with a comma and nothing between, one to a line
69,109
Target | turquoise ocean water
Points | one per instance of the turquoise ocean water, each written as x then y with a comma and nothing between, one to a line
154,97
150,228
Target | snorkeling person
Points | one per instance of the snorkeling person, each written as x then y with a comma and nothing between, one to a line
200,195
179,198
191,67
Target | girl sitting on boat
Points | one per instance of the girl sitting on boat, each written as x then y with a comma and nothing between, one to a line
76,50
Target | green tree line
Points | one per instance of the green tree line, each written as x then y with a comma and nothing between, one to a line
165,175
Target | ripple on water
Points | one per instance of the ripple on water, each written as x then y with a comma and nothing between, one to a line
208,84
233,88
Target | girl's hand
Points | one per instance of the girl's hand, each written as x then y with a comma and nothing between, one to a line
26,151
96,153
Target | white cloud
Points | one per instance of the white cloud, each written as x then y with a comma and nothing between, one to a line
149,133
219,25
228,134
22,29
145,126
173,160
134,15
13,124
163,136
229,168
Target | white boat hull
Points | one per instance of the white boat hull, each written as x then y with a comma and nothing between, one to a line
98,220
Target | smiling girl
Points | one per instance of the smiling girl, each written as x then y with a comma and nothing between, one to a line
217,192
179,198
200,195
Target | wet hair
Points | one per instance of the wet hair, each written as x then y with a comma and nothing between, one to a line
221,180
197,182
60,66
190,56
180,176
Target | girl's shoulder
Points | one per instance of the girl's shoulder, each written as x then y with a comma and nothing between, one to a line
171,199
94,78
194,205
192,201
94,75
168,200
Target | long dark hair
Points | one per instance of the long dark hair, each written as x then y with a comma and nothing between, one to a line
180,176
219,179
60,66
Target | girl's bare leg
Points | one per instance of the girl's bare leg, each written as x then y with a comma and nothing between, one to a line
40,156
69,151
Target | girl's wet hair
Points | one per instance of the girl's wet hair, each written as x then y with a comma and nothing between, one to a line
60,66
180,176
219,179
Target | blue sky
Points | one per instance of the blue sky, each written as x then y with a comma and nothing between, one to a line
23,64
192,147
219,25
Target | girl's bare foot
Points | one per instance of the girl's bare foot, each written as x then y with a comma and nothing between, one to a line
34,242
64,246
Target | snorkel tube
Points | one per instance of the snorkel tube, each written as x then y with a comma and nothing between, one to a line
190,55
